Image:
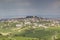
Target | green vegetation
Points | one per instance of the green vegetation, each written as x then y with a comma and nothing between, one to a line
9,31
32,34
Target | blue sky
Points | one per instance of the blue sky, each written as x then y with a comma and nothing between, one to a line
17,8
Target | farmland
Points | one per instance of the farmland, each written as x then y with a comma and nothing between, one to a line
33,34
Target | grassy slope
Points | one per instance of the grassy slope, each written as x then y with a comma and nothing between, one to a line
29,33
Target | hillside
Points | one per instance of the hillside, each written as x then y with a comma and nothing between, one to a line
29,28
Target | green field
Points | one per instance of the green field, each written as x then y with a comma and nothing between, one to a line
11,32
32,34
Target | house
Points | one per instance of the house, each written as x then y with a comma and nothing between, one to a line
40,25
35,24
29,23
45,27
19,25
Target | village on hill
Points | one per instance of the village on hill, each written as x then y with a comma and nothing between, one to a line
31,21
30,26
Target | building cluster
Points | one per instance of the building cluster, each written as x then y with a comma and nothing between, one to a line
33,21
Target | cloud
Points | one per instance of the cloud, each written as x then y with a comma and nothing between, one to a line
23,4
25,7
18,11
9,0
23,10
56,4
14,4
53,8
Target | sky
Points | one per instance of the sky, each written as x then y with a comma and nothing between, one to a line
19,8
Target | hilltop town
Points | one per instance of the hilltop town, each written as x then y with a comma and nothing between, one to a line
30,27
30,21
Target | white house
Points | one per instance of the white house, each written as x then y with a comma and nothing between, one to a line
40,25
45,27
27,23
19,25
35,24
